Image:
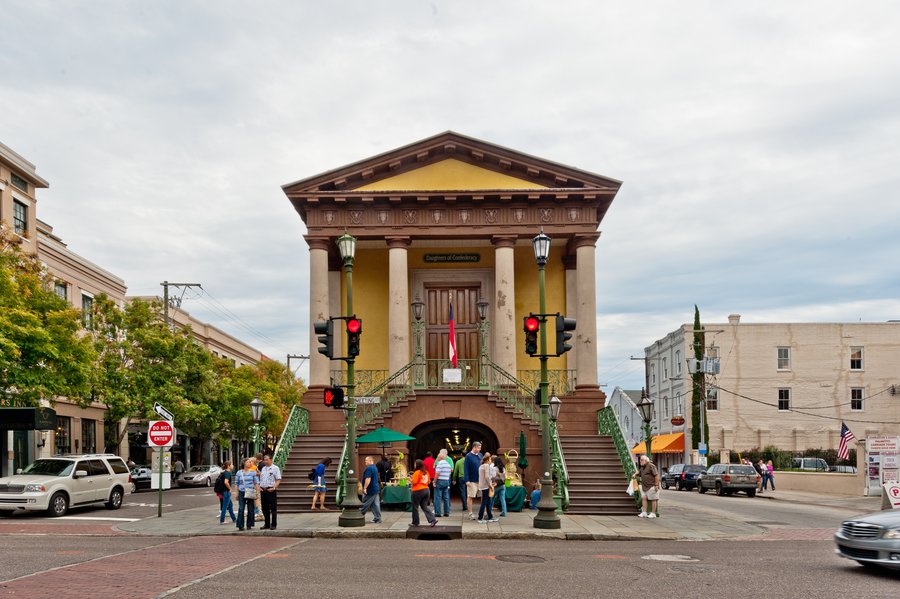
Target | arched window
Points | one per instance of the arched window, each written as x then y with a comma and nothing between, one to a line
678,363
665,369
653,374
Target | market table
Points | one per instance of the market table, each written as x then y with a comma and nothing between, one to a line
396,497
515,499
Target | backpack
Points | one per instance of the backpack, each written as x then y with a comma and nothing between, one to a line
219,487
312,474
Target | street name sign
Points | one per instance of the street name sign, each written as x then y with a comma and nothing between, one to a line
162,412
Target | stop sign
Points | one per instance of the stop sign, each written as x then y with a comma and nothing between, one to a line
161,433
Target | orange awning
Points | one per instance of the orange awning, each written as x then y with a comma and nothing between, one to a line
668,443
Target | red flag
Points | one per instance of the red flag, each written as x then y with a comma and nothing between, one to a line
452,337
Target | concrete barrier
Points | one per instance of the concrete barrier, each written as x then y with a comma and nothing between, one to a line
831,483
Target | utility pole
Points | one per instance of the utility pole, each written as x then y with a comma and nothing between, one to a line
294,357
165,286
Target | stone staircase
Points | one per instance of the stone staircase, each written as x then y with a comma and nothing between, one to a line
596,479
295,492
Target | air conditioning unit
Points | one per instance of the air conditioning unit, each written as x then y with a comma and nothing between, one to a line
694,365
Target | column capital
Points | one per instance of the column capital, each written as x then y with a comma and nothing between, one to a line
398,242
319,243
579,241
504,241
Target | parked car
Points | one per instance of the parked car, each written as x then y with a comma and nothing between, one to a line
57,483
844,469
140,478
728,479
198,476
810,464
682,476
873,540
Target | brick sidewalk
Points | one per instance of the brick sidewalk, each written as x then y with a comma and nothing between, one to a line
144,573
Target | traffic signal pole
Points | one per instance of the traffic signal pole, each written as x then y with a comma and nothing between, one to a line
350,514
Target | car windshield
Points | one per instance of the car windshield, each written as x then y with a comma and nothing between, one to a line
742,470
199,469
50,467
694,469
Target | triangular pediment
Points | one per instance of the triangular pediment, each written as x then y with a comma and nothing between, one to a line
451,161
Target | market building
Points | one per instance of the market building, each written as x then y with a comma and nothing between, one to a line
450,220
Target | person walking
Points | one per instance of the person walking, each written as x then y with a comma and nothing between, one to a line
473,462
429,468
371,491
227,502
269,480
385,472
770,475
319,488
499,477
760,468
177,470
486,486
459,480
443,470
419,486
649,477
247,481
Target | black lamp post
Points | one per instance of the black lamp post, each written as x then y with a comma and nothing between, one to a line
350,514
256,412
546,517
645,407
482,305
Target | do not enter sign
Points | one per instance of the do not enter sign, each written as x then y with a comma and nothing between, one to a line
161,433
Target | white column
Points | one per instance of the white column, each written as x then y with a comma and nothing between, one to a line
318,308
334,302
586,312
398,303
504,325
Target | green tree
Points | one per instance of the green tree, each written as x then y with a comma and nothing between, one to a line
43,351
698,385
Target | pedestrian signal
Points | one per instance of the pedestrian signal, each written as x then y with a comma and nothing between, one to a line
334,397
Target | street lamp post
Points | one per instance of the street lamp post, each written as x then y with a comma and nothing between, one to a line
546,517
350,514
256,411
483,324
645,407
418,308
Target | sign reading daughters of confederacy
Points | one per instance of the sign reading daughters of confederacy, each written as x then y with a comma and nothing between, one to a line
444,258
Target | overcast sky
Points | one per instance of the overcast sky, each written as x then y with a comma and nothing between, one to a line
759,143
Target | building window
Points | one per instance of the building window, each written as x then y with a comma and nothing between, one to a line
88,435
712,400
19,182
61,290
20,218
784,358
63,434
784,400
856,399
856,358
653,374
87,316
665,369
626,426
678,363
666,406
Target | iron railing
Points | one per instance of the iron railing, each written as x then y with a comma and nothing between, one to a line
608,424
560,472
512,392
562,382
297,424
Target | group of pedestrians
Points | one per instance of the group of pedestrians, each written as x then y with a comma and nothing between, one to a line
766,472
255,483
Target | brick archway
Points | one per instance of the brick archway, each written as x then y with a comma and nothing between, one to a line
454,435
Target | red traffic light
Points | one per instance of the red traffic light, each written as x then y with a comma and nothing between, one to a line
354,325
532,324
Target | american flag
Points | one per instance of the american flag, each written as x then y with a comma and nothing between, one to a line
452,337
846,436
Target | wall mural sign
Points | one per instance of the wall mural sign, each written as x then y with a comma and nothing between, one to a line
445,258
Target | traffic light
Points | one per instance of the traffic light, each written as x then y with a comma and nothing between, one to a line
325,330
532,324
563,326
334,397
354,328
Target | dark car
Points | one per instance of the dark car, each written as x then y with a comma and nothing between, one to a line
682,476
140,478
728,479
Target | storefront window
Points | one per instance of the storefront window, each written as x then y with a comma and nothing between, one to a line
63,434
88,435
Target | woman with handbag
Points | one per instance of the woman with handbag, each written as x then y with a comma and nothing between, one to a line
418,484
500,483
247,481
486,486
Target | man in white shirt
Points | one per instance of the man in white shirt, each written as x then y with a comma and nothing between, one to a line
269,480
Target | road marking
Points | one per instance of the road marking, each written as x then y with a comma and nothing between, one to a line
670,558
275,555
153,505
97,518
455,556
601,556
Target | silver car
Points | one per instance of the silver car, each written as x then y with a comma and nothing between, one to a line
873,540
199,476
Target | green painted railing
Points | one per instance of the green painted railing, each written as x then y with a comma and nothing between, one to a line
562,382
297,424
560,472
512,392
608,424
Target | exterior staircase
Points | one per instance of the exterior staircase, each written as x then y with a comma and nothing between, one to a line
596,480
295,492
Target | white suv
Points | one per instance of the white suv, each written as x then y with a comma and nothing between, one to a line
57,483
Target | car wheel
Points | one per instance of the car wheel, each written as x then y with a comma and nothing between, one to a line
664,484
719,490
700,488
133,488
679,486
115,499
208,482
59,505
751,493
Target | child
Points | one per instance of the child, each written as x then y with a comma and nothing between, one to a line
535,494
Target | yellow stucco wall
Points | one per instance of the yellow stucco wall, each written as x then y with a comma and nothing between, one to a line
528,299
449,174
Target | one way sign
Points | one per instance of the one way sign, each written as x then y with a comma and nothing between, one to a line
163,413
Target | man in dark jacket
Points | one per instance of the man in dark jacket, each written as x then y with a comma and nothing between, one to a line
473,461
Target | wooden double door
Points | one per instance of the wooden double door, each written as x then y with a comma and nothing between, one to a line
465,316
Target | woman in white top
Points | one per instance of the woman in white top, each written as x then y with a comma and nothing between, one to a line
486,486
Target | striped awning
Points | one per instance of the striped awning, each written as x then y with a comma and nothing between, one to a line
668,443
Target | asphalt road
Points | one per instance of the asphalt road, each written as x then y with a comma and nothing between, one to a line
271,567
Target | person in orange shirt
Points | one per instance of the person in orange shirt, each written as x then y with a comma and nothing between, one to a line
418,484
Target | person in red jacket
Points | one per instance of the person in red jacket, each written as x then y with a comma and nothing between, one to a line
428,462
418,484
